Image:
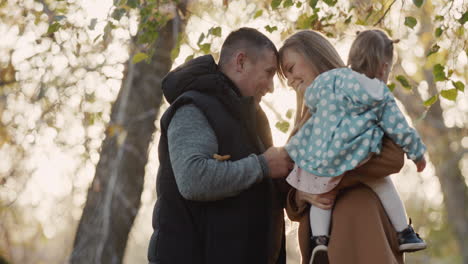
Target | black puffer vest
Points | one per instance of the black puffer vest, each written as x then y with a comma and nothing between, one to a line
247,228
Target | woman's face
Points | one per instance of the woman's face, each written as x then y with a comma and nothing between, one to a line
298,70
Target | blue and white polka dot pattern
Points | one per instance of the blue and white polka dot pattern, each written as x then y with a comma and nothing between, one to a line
347,124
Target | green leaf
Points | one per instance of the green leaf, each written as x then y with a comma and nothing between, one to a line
288,3
275,4
464,18
190,57
388,30
330,2
327,18
282,126
410,21
107,31
418,3
60,10
271,29
438,72
201,38
460,31
304,21
205,48
459,86
97,37
132,3
361,22
92,24
313,3
258,13
404,82
54,27
434,49
439,18
431,100
118,13
449,73
289,113
215,31
139,57
438,32
298,4
348,20
370,12
175,52
391,87
450,94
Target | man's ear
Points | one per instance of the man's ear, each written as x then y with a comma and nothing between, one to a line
240,61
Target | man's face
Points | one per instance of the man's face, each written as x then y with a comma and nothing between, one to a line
297,70
257,76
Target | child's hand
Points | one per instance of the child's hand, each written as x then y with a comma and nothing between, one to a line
421,164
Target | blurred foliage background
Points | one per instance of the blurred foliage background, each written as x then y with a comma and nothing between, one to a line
80,101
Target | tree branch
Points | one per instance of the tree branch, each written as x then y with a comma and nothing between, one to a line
270,106
2,83
385,13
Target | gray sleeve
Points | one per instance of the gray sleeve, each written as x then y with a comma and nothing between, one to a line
192,143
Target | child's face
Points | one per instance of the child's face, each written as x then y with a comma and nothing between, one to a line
297,69
385,70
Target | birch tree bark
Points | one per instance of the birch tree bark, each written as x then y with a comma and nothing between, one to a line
438,139
444,156
113,198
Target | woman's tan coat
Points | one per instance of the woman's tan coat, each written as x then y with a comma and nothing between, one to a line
361,232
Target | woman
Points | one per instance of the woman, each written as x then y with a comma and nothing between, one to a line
361,232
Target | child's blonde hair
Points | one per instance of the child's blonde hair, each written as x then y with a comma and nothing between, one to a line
321,56
369,50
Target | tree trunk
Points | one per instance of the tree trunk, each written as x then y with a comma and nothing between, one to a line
113,198
438,138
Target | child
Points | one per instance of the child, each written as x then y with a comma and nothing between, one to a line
351,111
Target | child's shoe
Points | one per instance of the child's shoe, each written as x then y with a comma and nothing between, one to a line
319,250
409,240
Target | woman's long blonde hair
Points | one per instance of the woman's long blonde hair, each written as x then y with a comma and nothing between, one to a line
322,57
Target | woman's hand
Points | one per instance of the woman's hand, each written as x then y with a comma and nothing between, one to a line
323,201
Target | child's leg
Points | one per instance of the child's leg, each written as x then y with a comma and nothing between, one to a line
319,221
408,239
391,201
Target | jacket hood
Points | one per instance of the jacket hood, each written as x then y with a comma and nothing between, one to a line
200,74
374,87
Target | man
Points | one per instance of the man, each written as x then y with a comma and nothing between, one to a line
218,199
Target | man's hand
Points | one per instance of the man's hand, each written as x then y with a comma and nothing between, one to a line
421,164
279,163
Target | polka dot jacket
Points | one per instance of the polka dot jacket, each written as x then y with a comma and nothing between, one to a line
350,115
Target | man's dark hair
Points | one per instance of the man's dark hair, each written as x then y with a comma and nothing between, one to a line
249,40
